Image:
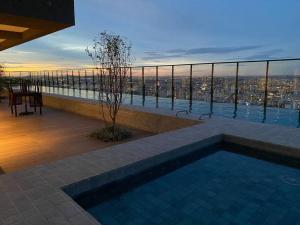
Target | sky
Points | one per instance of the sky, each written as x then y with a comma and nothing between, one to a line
169,32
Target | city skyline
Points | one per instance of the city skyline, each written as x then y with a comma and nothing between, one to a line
169,32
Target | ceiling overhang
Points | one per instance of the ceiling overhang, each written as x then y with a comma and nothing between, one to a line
21,22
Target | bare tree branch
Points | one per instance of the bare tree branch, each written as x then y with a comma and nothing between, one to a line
111,55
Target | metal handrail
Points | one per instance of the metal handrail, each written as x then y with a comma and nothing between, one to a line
56,78
169,65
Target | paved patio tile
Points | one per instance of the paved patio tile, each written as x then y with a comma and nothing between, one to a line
35,196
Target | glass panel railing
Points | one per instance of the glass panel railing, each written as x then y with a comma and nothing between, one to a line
251,90
260,91
201,88
181,87
283,103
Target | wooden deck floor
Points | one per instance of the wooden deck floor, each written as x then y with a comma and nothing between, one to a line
33,140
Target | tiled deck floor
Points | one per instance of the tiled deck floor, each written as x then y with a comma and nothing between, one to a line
35,196
33,140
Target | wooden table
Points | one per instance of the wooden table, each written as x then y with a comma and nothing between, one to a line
25,95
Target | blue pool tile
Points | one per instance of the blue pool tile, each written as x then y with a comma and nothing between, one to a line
222,188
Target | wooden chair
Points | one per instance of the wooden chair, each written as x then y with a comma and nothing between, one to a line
9,89
36,98
15,99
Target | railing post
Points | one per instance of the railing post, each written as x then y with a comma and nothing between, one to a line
62,79
44,79
94,85
212,90
157,87
41,78
236,90
191,89
86,81
38,76
48,75
68,82
57,82
131,86
73,80
101,82
98,81
52,79
266,91
144,86
79,80
172,88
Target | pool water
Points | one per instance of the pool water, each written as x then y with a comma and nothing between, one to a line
221,188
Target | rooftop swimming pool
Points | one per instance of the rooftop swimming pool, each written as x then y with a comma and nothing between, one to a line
253,113
212,186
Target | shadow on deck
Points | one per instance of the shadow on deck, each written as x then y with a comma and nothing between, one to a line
1,171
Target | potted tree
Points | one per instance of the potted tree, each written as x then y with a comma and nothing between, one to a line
111,55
